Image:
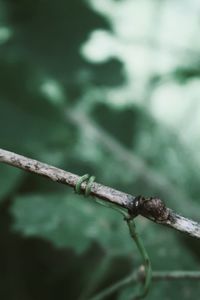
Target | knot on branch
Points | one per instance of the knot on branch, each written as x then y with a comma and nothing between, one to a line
152,208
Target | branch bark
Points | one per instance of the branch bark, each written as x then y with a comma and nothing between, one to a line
151,208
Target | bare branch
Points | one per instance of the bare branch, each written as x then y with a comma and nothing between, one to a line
151,208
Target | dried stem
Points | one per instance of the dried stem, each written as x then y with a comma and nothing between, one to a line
151,208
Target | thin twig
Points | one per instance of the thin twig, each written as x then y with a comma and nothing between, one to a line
139,276
151,208
116,286
176,275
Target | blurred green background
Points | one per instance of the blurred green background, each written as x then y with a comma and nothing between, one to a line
109,88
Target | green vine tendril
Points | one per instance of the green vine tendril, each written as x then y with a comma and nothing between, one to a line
89,179
145,257
133,233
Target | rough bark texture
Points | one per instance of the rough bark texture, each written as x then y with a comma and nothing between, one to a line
151,208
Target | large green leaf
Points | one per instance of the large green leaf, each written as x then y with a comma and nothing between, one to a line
71,222
30,123
10,178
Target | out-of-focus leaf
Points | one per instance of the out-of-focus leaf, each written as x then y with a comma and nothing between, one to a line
71,222
10,178
126,120
30,124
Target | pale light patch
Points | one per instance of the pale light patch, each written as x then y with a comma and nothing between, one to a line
169,104
121,96
99,48
5,34
148,37
128,18
52,89
178,106
184,13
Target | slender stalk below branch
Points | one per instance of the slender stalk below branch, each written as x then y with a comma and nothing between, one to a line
138,276
146,260
176,275
151,208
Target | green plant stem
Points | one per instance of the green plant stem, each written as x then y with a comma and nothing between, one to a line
134,275
116,286
135,236
145,257
156,276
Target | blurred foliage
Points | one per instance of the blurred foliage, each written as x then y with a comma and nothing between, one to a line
84,223
101,113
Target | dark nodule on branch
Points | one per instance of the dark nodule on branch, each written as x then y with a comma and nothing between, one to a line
151,208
